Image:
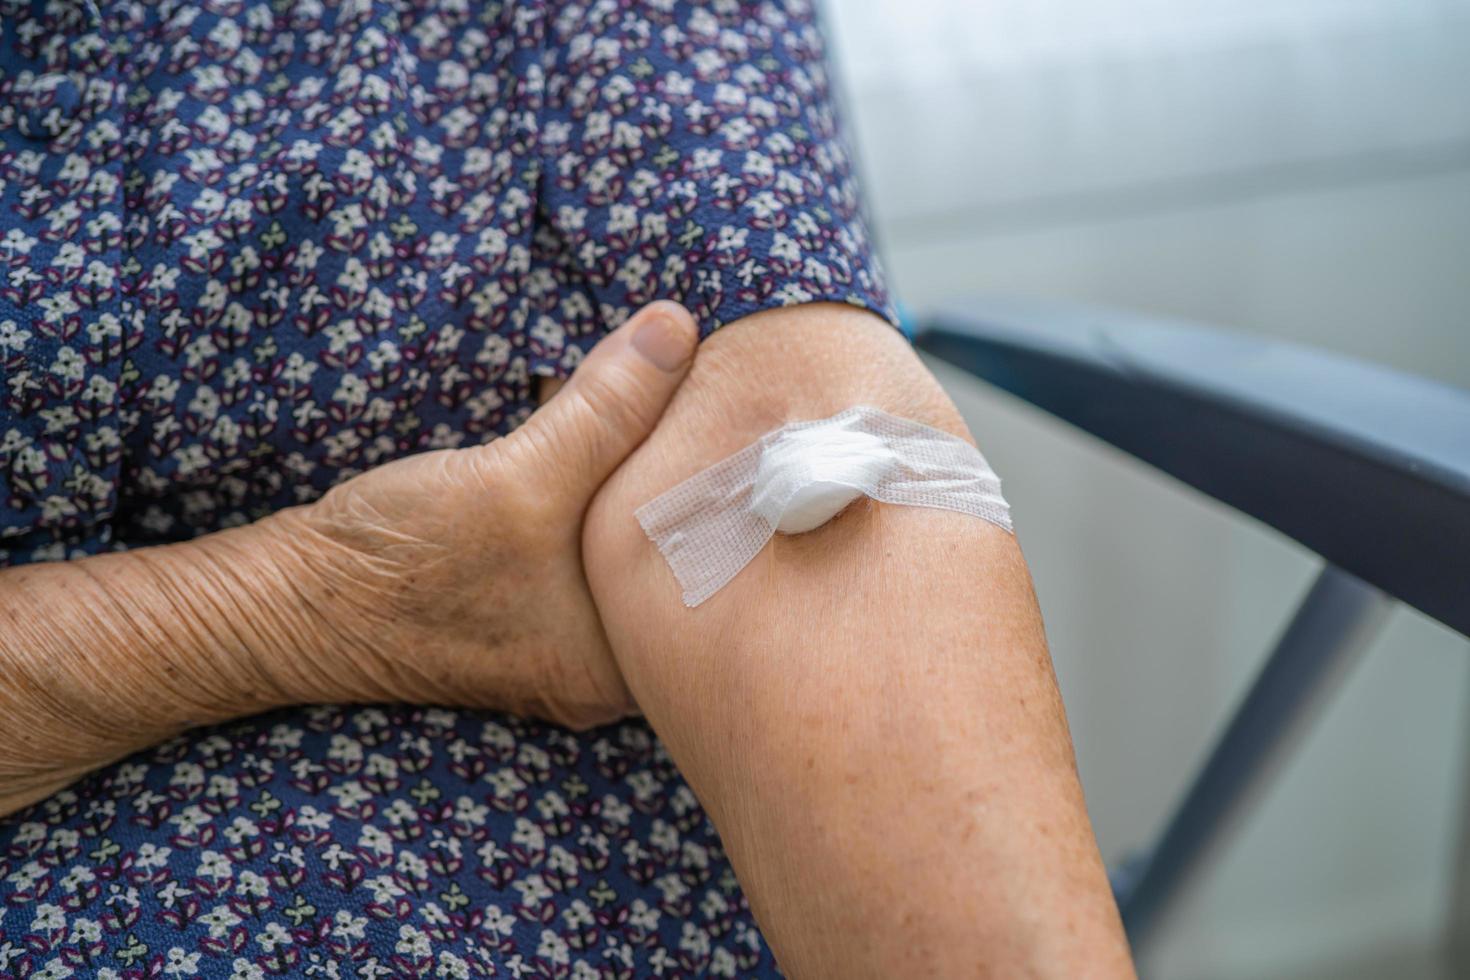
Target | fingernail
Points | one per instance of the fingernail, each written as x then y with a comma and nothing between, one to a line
664,341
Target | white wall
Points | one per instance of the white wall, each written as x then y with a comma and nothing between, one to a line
1301,169
1027,107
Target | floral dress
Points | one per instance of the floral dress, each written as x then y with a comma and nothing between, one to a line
251,248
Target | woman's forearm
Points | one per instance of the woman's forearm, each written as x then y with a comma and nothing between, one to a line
867,711
106,655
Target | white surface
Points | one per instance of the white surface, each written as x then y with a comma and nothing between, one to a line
1300,169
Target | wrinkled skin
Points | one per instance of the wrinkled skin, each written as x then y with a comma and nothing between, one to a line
461,583
457,575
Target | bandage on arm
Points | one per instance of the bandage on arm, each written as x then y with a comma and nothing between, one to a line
800,476
867,709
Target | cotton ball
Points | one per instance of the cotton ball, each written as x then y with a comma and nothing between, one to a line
807,476
814,505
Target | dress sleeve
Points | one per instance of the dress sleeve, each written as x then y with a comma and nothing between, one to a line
693,151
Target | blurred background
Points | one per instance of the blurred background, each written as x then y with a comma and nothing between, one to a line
1298,169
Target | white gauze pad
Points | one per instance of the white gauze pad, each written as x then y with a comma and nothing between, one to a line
799,477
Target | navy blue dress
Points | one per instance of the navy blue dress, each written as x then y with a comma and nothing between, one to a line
251,248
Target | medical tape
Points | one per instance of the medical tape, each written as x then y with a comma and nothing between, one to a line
798,477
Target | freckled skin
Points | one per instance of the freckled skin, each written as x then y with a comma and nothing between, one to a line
867,711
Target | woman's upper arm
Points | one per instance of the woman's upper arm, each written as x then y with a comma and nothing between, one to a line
867,711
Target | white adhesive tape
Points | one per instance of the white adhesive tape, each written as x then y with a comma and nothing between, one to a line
798,477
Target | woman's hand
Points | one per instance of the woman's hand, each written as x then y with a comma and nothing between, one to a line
455,577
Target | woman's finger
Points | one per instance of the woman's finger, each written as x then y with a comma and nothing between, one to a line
614,398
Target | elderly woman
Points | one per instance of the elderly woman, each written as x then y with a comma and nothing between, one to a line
312,607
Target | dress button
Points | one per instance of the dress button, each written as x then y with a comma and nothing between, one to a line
46,107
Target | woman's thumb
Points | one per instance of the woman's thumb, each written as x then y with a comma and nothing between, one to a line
615,397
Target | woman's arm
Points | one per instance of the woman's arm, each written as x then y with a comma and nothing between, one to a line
452,577
868,710
104,656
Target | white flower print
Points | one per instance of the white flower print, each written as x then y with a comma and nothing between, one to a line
182,963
